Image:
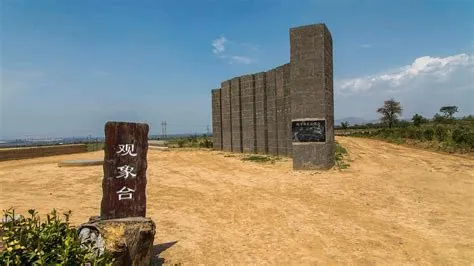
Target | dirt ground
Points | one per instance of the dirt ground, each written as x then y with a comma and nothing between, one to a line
393,205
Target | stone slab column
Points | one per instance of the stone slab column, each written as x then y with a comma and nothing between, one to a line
312,101
216,120
280,110
261,113
236,114
249,139
287,108
226,116
272,127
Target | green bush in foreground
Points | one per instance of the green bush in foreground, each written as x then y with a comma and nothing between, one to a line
30,241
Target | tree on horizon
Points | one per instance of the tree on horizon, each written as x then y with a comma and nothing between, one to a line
418,120
449,111
390,112
344,125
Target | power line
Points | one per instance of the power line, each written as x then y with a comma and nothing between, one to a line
163,129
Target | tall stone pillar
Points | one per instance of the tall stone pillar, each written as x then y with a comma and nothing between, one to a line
236,114
272,126
280,110
261,113
216,120
226,116
247,90
312,100
287,108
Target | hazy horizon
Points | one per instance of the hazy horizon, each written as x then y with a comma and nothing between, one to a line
68,67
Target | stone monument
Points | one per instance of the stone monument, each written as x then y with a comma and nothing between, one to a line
125,164
122,229
285,111
312,100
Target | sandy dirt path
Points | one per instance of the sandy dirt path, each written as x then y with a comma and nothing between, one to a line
392,205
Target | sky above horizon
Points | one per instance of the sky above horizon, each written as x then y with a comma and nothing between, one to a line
67,67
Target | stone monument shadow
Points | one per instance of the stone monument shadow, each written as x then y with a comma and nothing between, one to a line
157,250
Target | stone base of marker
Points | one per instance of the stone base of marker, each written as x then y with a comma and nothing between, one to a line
128,240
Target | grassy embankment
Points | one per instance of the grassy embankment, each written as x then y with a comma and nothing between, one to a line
448,135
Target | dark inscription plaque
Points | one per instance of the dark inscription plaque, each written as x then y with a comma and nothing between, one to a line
125,164
309,131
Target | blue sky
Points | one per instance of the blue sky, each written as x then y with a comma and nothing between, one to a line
69,66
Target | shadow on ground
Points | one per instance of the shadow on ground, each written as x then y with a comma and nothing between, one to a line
156,251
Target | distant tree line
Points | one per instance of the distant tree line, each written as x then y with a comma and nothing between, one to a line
450,133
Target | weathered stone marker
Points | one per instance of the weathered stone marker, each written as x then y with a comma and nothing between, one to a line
122,230
125,165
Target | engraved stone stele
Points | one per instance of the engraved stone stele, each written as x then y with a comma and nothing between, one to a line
122,230
125,165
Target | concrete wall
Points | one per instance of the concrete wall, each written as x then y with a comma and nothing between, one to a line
257,111
33,152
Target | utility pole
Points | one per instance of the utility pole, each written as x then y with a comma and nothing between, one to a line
163,129
207,129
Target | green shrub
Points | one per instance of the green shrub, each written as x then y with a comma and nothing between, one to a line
409,133
205,143
181,143
402,124
418,134
30,241
458,135
340,156
384,132
463,136
428,134
441,133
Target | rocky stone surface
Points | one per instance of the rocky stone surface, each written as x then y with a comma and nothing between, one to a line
128,240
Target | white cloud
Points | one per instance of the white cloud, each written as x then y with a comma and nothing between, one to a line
221,44
218,45
250,46
422,67
241,59
423,86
